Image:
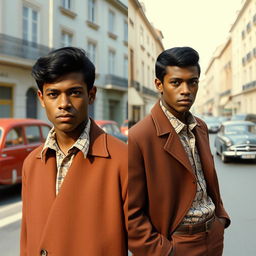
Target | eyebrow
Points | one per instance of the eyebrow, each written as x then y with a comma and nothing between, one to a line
57,90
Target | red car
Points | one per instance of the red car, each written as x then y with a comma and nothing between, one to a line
18,137
111,127
124,128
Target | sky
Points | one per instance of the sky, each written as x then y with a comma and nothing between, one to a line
201,24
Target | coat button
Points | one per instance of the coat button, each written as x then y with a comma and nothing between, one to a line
44,252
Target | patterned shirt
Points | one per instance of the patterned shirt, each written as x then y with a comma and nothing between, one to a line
202,207
64,161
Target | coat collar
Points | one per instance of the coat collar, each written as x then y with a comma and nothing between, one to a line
173,144
98,143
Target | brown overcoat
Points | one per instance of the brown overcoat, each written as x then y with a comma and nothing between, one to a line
88,216
162,184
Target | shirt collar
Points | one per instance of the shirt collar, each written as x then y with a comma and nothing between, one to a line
81,144
176,123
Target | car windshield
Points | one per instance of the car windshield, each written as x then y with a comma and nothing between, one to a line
238,117
211,119
238,129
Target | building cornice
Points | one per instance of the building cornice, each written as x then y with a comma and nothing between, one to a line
246,3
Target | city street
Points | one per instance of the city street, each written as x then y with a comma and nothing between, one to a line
237,184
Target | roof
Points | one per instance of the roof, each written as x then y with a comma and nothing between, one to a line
7,122
238,122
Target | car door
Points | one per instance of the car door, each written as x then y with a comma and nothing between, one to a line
13,155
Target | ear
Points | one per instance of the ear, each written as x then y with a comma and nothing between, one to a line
41,98
92,94
159,85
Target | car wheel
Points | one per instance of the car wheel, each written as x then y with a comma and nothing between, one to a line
224,158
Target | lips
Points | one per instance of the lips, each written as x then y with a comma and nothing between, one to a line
65,117
185,101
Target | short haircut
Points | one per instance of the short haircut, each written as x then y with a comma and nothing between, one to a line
177,56
52,67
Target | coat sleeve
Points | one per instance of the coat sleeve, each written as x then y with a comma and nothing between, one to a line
23,234
143,238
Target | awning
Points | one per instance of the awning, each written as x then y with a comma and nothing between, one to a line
134,97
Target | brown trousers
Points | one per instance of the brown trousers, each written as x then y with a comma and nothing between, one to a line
201,244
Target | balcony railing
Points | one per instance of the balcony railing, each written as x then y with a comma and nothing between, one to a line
16,47
116,81
249,85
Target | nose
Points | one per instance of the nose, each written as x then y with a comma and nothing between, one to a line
185,90
64,101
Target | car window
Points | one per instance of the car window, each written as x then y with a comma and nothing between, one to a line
107,128
45,131
14,137
235,129
0,133
115,128
33,134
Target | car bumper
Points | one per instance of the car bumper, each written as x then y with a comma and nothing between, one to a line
240,154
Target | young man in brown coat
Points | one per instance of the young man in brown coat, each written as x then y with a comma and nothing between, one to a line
174,205
74,187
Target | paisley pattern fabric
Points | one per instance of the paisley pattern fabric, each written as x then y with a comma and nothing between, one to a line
202,207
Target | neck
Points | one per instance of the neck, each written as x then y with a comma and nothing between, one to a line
66,139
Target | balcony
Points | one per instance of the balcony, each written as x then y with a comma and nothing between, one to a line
249,85
116,81
12,46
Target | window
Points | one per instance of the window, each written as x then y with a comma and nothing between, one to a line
125,31
141,35
6,99
14,137
125,67
111,21
142,72
32,134
30,24
91,49
92,11
66,39
111,62
66,4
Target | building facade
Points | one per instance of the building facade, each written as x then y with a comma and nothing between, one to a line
145,44
243,34
100,27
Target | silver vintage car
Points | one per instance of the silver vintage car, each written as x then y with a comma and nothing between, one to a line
236,139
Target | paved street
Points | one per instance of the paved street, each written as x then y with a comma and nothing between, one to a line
237,183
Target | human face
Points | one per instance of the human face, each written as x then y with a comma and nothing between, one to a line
66,103
179,89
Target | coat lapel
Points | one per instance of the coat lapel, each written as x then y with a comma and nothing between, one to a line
173,144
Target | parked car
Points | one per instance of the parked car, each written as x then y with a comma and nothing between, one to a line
18,137
244,117
213,123
236,139
111,127
124,128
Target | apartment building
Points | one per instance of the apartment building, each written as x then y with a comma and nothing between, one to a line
243,34
34,27
216,87
145,44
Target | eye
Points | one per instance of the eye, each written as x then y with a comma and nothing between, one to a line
76,93
52,94
175,82
194,82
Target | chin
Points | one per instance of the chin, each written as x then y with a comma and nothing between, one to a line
65,127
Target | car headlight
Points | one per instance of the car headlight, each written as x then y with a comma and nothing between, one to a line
228,143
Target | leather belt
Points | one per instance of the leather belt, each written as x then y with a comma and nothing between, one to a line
195,228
